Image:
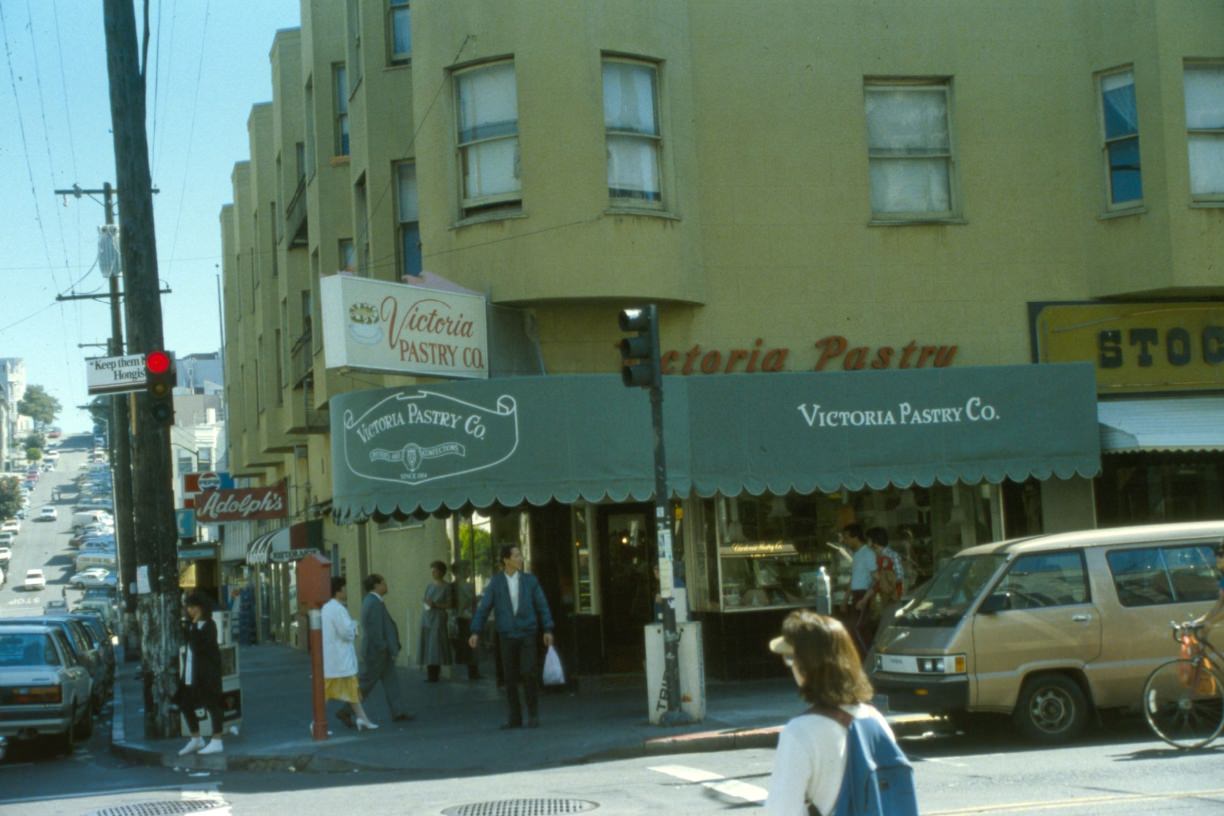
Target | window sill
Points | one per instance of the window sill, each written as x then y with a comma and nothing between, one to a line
485,218
1129,211
396,64
918,221
1207,204
643,211
339,161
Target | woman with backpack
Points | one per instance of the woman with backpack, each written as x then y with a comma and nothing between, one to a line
821,761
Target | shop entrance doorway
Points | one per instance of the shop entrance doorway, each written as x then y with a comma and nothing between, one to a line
626,557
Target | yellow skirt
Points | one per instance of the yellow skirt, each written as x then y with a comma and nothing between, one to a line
342,688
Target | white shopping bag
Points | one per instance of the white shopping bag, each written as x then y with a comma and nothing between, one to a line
553,674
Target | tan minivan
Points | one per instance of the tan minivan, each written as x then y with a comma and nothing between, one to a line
1047,628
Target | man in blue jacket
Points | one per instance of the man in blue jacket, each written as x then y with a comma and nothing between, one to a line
522,611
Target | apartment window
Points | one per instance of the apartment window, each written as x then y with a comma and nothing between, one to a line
299,152
274,236
310,128
487,104
909,150
348,255
1120,125
407,215
1204,85
631,120
399,31
205,457
341,110
353,49
186,464
361,213
280,368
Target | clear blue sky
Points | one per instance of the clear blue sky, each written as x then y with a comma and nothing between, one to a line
207,65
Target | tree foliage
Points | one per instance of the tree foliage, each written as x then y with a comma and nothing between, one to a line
33,454
476,542
39,406
10,497
35,440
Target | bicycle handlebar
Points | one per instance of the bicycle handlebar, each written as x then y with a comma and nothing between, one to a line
1187,627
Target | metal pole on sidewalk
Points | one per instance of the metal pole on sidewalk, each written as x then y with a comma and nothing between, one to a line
319,725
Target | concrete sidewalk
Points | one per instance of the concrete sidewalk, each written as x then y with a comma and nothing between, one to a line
454,731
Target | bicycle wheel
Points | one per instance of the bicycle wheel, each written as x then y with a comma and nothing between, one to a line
1184,703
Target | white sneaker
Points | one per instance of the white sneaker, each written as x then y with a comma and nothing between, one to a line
214,746
191,747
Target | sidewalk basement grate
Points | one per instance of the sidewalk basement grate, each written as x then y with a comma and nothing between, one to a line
169,807
522,807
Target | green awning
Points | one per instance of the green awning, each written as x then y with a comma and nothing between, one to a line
445,446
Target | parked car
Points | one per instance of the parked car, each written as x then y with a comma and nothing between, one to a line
93,576
35,580
84,647
11,526
6,539
1047,628
44,689
6,554
48,513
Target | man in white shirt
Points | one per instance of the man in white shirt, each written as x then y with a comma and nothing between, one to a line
862,579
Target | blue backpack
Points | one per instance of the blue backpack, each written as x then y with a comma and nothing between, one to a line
879,780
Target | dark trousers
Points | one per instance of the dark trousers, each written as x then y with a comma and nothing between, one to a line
519,660
211,704
861,624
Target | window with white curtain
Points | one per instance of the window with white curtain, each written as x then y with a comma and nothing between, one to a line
1120,126
631,122
1204,84
409,219
909,150
486,102
399,31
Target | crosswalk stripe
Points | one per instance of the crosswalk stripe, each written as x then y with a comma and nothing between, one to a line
715,782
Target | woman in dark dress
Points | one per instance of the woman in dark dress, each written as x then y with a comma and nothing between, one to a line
202,676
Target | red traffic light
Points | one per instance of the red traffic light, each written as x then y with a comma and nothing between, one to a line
157,362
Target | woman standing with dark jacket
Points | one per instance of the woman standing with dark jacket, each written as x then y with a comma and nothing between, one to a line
202,676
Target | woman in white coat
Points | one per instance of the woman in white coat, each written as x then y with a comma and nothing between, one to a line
339,656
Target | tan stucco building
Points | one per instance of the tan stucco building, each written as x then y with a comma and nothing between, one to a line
802,187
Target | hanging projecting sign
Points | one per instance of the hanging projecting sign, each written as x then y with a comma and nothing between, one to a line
115,375
402,328
243,504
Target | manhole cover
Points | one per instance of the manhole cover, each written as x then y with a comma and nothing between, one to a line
522,807
169,808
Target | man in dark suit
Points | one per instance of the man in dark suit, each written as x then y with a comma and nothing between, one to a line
522,611
380,645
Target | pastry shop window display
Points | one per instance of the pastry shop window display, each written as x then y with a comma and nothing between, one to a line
770,551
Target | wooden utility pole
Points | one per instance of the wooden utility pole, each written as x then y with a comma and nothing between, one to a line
158,604
118,432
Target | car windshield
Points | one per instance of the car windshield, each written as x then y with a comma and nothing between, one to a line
954,588
26,649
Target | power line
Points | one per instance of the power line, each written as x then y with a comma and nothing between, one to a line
42,112
190,137
156,85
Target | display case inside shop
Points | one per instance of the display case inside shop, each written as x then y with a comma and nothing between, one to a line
765,552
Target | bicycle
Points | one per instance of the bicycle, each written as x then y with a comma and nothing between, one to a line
1183,699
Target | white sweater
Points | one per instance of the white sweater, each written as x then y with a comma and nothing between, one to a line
810,762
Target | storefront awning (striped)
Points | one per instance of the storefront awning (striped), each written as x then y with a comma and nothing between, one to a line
1162,424
262,547
446,446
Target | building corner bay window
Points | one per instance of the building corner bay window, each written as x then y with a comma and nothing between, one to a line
409,219
1121,127
487,103
631,120
1204,89
909,148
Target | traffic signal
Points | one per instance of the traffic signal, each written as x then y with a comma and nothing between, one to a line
640,353
159,384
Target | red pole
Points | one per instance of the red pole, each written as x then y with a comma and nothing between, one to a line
319,730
